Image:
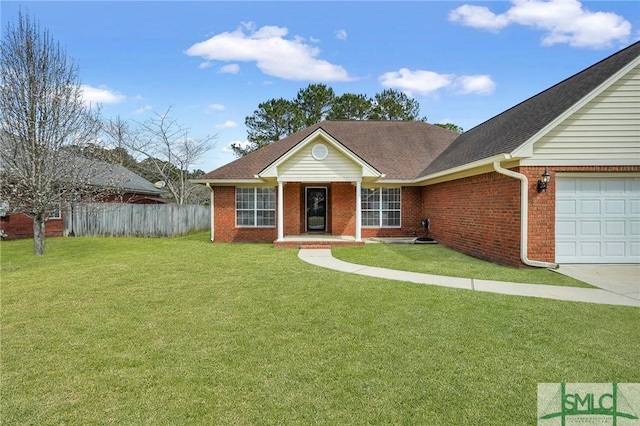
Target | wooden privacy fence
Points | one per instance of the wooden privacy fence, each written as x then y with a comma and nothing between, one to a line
144,220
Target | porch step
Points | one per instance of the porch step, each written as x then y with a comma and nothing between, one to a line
315,246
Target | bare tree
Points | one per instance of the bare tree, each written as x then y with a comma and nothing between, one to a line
41,113
170,153
119,134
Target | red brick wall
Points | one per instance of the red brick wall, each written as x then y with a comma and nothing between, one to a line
342,216
411,217
225,220
341,219
293,209
18,225
478,215
342,209
412,214
542,216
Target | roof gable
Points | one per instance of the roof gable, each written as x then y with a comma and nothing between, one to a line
399,150
516,129
603,130
345,160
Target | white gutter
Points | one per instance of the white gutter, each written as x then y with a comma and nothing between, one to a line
226,182
463,168
524,216
212,216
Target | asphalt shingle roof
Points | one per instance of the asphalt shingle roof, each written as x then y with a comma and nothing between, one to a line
398,149
509,130
108,175
414,149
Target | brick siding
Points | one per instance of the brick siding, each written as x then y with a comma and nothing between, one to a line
480,215
225,220
477,215
342,209
18,225
341,217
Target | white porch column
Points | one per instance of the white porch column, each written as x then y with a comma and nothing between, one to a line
280,211
358,212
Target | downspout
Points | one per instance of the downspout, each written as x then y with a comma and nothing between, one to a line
212,215
524,216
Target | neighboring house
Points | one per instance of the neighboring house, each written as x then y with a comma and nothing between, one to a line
115,184
479,190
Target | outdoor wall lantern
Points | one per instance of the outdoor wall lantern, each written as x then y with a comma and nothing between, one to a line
544,182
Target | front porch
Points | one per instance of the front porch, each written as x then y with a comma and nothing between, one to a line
316,241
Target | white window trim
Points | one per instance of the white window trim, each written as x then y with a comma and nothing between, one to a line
56,213
380,210
255,209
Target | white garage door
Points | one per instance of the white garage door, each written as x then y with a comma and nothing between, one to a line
598,220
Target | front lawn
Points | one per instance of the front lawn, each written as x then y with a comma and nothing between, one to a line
182,331
436,259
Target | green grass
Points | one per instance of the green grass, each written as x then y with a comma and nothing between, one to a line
439,260
181,331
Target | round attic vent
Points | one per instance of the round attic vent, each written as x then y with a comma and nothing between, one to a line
319,151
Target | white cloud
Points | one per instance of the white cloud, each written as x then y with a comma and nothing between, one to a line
423,82
227,148
227,125
274,55
478,17
143,109
418,81
341,34
230,69
562,21
215,107
478,84
101,95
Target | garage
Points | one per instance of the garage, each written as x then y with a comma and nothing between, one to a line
597,219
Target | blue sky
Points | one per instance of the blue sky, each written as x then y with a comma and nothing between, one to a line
213,62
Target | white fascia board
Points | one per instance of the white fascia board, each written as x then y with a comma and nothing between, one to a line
463,168
387,183
272,169
526,149
227,182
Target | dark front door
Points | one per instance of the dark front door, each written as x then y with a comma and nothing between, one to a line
316,209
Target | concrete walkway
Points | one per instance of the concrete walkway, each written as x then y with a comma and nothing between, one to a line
324,258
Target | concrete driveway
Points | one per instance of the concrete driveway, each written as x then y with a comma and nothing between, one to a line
619,279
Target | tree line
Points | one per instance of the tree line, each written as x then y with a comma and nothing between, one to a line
277,118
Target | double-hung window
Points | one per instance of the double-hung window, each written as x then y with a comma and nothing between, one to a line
55,213
255,207
380,207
